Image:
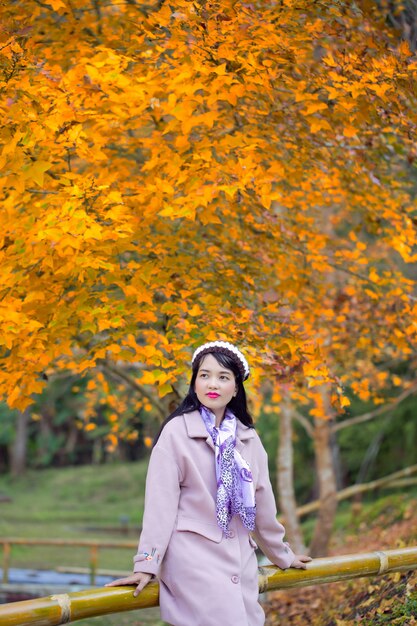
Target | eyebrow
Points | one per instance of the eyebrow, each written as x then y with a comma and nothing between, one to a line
220,372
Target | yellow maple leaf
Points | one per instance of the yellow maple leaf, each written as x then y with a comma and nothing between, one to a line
317,124
344,401
313,107
195,310
36,171
56,4
220,70
349,131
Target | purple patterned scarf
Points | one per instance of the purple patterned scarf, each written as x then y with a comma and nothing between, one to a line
235,492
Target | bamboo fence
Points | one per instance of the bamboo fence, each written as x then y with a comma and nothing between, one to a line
391,480
94,547
70,607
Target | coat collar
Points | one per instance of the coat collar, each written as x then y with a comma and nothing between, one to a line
196,429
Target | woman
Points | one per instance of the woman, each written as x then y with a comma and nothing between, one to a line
208,499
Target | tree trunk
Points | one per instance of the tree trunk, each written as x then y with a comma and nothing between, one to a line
98,452
285,479
337,461
18,449
326,480
68,452
44,436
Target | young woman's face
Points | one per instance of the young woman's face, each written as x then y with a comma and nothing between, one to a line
215,385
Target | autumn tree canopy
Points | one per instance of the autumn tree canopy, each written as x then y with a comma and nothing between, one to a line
175,173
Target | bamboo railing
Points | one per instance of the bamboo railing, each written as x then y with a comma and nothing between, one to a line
391,480
70,607
94,546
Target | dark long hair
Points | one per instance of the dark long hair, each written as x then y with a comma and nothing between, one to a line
238,404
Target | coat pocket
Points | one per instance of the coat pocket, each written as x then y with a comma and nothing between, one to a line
209,531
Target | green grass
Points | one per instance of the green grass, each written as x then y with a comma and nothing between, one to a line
385,507
73,503
76,494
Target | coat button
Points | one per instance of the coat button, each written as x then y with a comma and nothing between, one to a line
231,534
235,579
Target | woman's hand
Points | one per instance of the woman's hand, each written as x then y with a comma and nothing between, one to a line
300,561
140,579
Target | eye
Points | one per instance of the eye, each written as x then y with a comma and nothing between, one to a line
224,377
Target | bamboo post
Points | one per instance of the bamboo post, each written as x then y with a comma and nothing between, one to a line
93,564
6,561
64,608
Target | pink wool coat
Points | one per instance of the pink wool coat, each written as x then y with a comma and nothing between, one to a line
206,579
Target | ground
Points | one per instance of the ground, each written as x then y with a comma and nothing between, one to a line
378,601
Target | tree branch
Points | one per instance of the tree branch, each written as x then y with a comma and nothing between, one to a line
353,490
359,419
304,423
135,385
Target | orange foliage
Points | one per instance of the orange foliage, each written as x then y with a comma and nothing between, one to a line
175,174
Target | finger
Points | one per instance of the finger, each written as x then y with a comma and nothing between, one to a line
139,588
114,583
141,585
144,582
120,581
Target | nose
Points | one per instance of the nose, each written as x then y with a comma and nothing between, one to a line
212,383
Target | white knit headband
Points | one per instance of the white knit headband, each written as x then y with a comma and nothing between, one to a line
226,348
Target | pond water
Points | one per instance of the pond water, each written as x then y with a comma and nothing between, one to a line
51,577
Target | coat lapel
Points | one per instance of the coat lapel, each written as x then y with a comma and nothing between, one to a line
196,428
243,433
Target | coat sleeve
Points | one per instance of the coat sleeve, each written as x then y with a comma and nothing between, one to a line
269,533
161,508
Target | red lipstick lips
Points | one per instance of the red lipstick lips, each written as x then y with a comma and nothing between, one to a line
213,395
